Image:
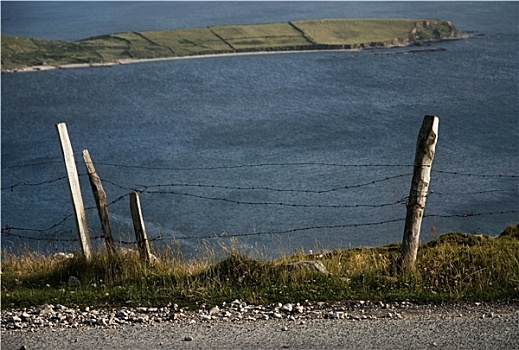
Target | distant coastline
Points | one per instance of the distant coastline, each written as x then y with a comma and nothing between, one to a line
160,59
31,55
230,54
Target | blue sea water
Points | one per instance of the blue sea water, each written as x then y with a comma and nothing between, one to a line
247,133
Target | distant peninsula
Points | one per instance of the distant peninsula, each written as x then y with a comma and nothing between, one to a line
31,54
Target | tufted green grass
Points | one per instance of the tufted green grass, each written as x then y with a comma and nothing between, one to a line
454,267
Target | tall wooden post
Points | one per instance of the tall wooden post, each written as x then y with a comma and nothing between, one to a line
138,226
75,190
100,199
425,148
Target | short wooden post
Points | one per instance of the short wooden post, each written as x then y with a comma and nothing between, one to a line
425,148
75,190
100,199
138,226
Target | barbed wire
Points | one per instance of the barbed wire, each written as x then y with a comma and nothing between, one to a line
294,205
33,164
28,184
341,226
468,215
403,200
475,175
136,188
256,165
57,229
142,188
473,192
293,230
255,188
7,230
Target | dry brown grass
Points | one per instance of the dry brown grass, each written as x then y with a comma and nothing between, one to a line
451,268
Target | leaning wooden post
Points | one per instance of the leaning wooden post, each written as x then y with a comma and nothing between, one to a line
75,190
425,148
100,199
138,226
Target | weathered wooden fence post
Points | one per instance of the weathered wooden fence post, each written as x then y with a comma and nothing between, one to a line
138,226
75,190
425,148
100,199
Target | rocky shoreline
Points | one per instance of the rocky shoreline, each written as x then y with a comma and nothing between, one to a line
60,317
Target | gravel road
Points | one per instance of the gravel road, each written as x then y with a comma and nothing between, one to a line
448,327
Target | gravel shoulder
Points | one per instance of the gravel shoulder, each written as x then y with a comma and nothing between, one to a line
338,326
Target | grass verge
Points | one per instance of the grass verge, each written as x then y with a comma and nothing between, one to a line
453,267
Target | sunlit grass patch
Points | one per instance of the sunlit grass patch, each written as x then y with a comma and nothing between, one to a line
185,42
454,267
355,31
261,36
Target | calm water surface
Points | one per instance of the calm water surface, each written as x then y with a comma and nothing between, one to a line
212,122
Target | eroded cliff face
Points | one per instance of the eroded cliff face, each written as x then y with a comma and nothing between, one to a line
423,32
427,31
434,30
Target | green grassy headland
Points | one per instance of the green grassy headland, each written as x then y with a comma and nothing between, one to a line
451,268
21,52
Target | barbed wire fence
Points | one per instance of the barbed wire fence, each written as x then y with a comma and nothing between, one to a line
61,231
302,197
